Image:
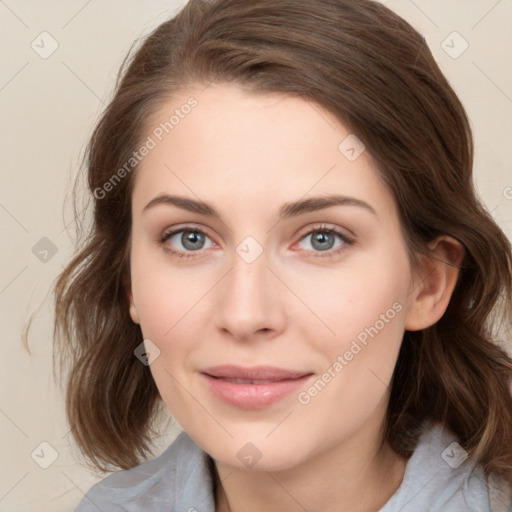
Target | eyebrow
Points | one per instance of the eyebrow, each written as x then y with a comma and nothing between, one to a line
291,209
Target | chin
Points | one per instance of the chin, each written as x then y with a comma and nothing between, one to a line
257,456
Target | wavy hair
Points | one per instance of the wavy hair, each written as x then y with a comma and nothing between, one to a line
375,73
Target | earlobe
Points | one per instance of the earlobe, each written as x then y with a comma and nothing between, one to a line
435,284
133,310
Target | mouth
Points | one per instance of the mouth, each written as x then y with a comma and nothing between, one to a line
253,388
247,381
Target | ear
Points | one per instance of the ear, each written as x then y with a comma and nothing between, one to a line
127,284
133,310
435,283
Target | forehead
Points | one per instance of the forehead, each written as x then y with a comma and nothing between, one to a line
235,147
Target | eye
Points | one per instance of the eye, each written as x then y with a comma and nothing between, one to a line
185,240
325,240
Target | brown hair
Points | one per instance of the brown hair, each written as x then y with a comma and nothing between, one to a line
373,71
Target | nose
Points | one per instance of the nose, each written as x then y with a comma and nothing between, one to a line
250,302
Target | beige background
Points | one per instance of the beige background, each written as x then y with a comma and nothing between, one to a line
49,106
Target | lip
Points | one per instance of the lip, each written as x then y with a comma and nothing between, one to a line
270,384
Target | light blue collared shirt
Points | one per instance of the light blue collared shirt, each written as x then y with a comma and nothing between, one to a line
179,480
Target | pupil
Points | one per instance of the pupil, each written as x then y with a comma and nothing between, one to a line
323,241
192,240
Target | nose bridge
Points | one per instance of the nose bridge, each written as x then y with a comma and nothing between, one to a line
248,302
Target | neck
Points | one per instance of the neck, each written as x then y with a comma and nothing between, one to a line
357,475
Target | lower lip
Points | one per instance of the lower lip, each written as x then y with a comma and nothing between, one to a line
254,396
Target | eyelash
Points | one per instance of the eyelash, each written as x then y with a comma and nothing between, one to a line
331,231
166,235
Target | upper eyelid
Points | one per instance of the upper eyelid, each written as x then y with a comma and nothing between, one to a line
344,233
346,239
175,230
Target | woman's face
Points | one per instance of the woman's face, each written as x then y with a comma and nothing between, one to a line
269,269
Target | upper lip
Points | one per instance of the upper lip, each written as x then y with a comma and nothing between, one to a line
254,373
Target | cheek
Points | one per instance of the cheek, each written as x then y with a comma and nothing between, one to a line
365,308
357,297
168,301
165,296
358,362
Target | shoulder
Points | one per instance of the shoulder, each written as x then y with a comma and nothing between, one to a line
178,479
440,477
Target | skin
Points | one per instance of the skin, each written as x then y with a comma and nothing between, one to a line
293,307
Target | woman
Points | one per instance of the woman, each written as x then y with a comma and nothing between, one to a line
287,251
